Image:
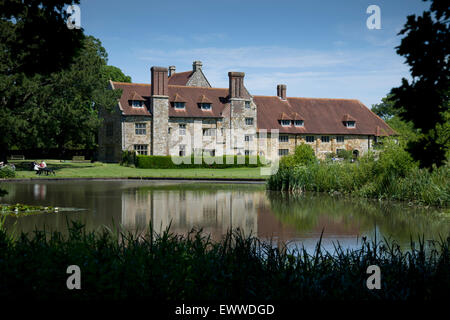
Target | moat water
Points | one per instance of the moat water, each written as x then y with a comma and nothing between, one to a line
217,207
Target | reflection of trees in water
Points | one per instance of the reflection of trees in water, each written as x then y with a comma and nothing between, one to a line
309,212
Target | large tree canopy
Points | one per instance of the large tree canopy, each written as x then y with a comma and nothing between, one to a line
115,74
425,100
49,99
34,36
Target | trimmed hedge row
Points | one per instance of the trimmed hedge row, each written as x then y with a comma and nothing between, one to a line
219,162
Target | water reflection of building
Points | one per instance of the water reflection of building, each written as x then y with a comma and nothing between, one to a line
215,212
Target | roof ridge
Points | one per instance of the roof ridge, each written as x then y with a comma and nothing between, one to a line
131,83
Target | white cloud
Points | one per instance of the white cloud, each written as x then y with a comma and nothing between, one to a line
367,75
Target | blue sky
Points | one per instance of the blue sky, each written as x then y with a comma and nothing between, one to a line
317,48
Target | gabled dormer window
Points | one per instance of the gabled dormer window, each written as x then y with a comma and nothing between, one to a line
285,123
298,123
205,106
350,124
179,105
137,103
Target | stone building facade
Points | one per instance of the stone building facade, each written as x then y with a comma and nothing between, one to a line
180,113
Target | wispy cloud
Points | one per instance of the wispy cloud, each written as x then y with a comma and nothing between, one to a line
367,75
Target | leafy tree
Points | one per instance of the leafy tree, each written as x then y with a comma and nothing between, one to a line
390,114
65,112
385,110
34,42
115,74
425,100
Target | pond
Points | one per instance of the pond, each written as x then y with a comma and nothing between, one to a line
216,207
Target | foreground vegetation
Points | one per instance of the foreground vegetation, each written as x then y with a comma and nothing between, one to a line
389,174
112,170
173,267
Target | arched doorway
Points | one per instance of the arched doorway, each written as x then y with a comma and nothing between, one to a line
355,154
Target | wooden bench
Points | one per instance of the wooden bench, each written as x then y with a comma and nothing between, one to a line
17,157
79,159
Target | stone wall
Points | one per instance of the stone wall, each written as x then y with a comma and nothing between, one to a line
130,138
160,125
198,79
360,143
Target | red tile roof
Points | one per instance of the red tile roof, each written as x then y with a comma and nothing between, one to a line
180,78
321,116
191,96
134,96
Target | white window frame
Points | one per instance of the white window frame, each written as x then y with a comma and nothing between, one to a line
283,138
325,138
350,124
249,121
140,128
209,132
205,106
137,103
141,149
340,138
182,129
313,139
286,123
179,105
299,123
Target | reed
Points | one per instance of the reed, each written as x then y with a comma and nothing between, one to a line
167,266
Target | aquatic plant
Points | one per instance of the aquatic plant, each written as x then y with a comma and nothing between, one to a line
167,266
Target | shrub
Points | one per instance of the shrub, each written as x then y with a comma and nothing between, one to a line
303,155
174,162
7,172
128,158
345,154
393,176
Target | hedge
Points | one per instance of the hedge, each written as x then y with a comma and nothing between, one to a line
170,162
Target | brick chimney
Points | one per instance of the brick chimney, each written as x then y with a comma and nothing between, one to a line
160,83
281,91
236,87
171,70
159,106
196,65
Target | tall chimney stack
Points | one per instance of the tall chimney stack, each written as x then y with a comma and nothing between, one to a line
196,65
160,83
171,70
281,91
236,84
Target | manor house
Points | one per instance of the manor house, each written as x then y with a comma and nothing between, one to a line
179,113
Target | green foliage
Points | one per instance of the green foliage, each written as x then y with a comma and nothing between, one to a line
115,74
424,101
129,158
34,38
345,154
60,109
34,43
393,176
385,110
219,162
7,172
303,155
167,266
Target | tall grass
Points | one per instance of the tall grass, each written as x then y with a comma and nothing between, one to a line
167,266
392,176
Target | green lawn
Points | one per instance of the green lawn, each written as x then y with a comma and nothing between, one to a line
113,170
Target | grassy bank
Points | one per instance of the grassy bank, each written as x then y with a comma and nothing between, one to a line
169,266
390,174
112,170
